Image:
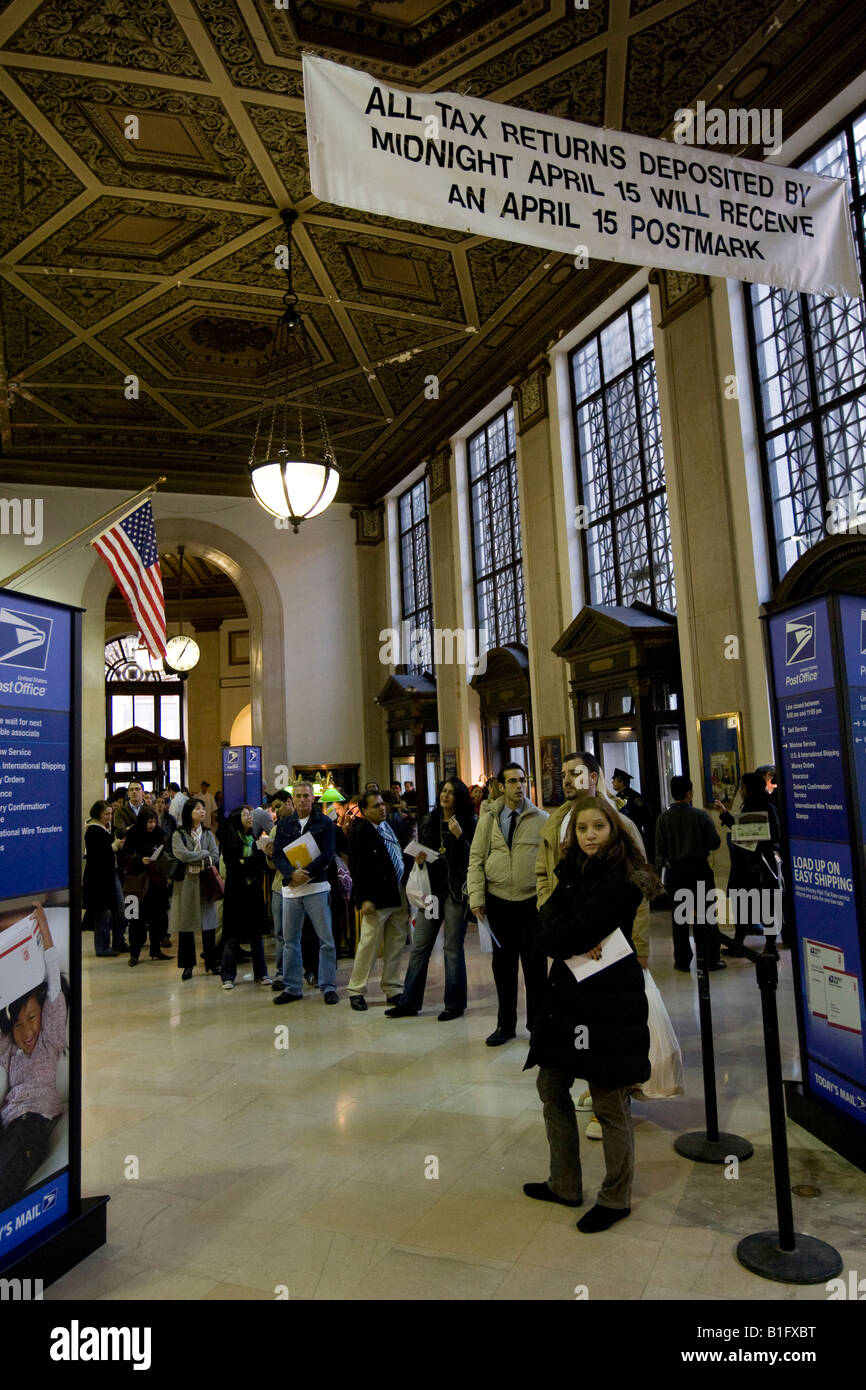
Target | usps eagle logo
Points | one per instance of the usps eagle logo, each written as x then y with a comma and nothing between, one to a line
24,639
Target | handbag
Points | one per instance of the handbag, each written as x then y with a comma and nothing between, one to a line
212,884
666,1059
136,885
344,879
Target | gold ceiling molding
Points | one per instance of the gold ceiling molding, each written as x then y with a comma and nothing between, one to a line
156,256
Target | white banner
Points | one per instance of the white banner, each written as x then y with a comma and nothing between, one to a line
499,171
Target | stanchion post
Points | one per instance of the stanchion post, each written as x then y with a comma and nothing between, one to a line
709,1146
783,1255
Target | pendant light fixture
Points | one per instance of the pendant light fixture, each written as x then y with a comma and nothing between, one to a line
181,653
291,483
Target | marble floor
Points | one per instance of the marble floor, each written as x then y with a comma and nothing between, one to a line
384,1159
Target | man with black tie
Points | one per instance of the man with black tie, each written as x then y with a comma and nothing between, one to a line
501,882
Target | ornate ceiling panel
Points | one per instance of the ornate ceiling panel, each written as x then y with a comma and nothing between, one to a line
146,246
177,142
118,32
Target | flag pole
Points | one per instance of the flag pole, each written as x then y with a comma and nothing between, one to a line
119,507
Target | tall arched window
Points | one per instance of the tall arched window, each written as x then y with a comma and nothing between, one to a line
809,378
141,699
620,464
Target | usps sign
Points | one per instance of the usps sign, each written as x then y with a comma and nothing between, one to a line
800,639
25,639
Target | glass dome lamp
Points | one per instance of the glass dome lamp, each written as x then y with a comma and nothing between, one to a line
293,484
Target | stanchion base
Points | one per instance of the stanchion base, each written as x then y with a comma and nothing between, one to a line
811,1262
703,1150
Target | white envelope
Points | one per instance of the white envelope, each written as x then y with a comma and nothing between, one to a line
22,963
414,848
486,939
613,948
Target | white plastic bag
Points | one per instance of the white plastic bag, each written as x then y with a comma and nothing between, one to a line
418,885
666,1060
422,903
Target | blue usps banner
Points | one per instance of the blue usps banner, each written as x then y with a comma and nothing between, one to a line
802,651
38,1209
253,775
819,684
234,779
832,968
811,747
35,700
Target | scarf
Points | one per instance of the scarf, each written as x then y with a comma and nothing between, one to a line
196,844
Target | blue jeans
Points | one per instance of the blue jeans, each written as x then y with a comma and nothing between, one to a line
455,961
229,966
101,920
279,942
316,906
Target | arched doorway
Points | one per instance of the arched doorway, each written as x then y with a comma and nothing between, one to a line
254,582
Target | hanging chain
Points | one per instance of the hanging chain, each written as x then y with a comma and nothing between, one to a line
289,330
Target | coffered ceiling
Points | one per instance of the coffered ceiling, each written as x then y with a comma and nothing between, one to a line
154,257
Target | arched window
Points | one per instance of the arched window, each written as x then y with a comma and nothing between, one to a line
620,464
141,698
808,357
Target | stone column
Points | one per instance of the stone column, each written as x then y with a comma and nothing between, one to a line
544,557
202,695
457,702
717,600
373,616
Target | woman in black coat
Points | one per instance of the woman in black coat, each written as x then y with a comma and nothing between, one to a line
245,916
758,868
99,884
595,1028
144,880
448,829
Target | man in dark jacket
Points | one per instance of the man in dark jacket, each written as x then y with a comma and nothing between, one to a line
378,872
306,891
633,805
685,835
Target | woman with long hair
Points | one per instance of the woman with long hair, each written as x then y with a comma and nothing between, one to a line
144,880
448,829
195,849
595,1027
245,915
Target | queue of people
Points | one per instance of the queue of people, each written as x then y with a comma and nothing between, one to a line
548,888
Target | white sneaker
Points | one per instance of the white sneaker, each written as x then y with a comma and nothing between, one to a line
228,984
265,980
585,1102
593,1129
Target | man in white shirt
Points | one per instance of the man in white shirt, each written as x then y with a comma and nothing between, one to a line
177,801
306,892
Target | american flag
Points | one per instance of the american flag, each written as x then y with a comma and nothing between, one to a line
129,549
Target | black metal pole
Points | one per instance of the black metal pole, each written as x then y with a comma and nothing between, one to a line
709,1146
708,1054
784,1255
767,970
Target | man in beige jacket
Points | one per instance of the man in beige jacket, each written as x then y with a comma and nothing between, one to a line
501,883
